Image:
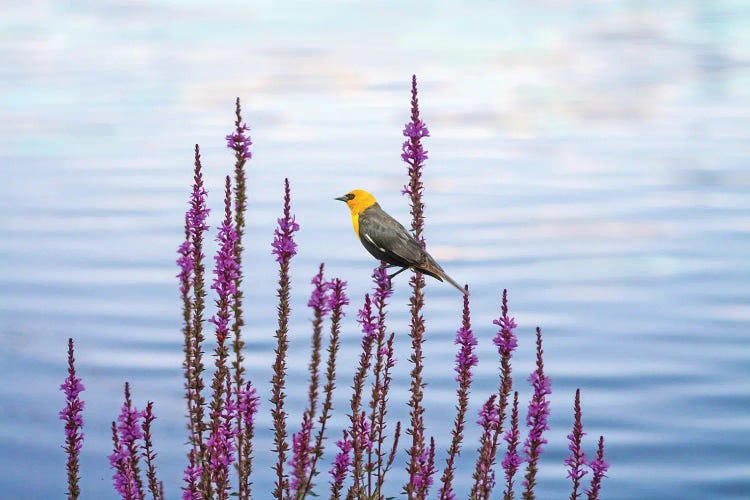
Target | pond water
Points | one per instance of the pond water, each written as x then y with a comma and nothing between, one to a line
590,157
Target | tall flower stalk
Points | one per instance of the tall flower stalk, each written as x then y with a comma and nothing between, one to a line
361,443
220,444
466,359
239,142
284,248
71,414
125,459
577,458
380,459
193,293
536,420
300,462
415,155
599,467
336,302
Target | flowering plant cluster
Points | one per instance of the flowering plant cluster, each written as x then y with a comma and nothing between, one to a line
222,409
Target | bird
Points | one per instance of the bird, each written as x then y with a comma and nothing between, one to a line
387,240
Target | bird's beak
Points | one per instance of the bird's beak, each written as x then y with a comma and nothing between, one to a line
342,198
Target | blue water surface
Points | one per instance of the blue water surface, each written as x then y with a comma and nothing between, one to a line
589,156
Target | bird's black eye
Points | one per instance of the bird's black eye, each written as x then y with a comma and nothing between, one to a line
349,196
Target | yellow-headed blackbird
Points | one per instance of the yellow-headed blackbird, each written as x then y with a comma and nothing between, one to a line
387,240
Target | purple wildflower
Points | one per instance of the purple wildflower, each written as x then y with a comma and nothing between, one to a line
412,151
505,339
465,358
536,418
191,478
599,467
577,458
512,459
284,247
198,212
239,140
71,415
320,298
367,320
124,458
484,475
247,404
301,454
186,264
227,269
340,464
422,478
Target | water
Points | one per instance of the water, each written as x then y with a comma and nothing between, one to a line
590,157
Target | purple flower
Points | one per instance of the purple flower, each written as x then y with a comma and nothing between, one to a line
71,414
577,459
367,320
505,339
247,405
512,460
488,415
320,299
338,297
195,225
536,418
383,290
599,467
422,478
283,244
412,151
124,458
198,213
191,478
465,357
186,264
239,140
301,454
227,268
342,461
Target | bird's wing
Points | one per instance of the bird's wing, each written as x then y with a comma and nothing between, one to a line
387,239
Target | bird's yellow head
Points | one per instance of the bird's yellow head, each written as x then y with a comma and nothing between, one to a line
358,200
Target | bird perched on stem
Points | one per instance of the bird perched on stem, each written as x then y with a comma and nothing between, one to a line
387,240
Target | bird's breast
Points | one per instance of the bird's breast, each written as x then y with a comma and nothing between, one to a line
355,223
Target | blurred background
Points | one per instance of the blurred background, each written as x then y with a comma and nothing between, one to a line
589,156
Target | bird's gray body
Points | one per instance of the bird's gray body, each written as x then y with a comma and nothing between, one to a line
387,240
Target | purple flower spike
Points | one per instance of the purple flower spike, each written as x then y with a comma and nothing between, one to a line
367,320
341,464
512,460
466,359
248,404
577,458
284,247
599,467
71,415
536,418
124,458
320,298
227,268
301,455
191,478
239,140
505,339
338,297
